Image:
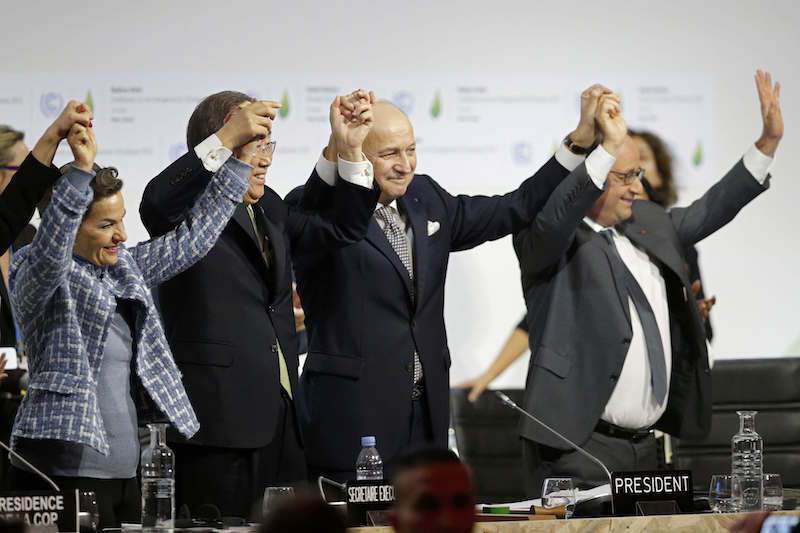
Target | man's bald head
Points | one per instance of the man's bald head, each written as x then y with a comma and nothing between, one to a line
391,148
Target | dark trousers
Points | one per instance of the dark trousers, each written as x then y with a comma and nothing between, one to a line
420,435
233,479
618,454
118,500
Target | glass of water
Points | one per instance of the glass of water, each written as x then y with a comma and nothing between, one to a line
721,493
88,513
274,497
773,493
559,492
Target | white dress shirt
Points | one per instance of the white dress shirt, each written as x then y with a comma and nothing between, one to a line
632,404
213,155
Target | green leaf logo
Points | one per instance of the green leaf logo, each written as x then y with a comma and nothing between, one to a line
89,101
436,107
697,156
283,112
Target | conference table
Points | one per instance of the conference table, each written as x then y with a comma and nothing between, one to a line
628,524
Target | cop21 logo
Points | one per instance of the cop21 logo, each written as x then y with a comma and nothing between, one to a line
51,104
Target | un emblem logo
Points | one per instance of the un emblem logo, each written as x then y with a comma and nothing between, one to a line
405,101
51,104
522,153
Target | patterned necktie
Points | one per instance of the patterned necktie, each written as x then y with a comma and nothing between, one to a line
652,335
396,236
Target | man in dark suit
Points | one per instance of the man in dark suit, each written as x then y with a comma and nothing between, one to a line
378,362
617,343
229,318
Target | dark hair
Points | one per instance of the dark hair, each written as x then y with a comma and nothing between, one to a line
666,194
105,183
209,115
425,457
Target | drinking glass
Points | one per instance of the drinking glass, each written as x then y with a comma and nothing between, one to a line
773,493
88,512
558,492
720,493
274,497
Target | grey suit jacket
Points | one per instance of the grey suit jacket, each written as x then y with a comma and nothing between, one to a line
578,318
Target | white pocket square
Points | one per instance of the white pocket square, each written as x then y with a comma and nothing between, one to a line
433,227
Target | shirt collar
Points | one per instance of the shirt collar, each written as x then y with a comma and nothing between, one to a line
595,225
393,205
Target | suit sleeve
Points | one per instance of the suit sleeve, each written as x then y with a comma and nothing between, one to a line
167,255
476,219
315,229
19,200
315,195
541,245
168,197
718,206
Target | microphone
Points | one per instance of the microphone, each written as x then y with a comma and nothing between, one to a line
510,403
321,480
33,468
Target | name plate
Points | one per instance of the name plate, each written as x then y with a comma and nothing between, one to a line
631,488
365,496
42,510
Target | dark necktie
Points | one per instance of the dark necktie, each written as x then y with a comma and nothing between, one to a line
263,241
397,238
652,335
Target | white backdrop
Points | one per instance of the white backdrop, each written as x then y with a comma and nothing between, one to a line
490,89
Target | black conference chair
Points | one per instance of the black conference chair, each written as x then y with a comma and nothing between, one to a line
487,439
769,386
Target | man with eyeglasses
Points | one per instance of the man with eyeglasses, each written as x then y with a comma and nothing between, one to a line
229,318
617,342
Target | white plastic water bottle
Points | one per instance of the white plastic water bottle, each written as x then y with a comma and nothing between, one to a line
369,465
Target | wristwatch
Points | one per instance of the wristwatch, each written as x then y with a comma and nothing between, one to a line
575,149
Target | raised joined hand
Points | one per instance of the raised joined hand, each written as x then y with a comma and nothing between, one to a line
249,122
609,119
351,120
84,146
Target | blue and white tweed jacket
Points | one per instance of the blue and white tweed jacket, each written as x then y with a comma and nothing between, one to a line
65,306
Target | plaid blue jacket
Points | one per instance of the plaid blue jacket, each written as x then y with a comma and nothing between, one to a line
65,306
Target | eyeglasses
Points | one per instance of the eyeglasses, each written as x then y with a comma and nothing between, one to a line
629,177
264,148
9,167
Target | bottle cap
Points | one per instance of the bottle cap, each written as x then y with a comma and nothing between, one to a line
368,441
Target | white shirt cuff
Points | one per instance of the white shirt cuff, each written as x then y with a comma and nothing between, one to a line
358,173
598,165
326,170
567,159
757,163
212,153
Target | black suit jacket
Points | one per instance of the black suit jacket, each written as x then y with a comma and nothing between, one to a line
222,316
364,326
17,204
578,318
19,200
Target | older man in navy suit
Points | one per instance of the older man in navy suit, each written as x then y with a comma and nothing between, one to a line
378,359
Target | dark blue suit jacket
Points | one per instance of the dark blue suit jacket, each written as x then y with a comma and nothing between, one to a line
224,316
364,326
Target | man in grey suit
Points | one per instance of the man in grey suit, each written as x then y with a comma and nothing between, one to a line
617,342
